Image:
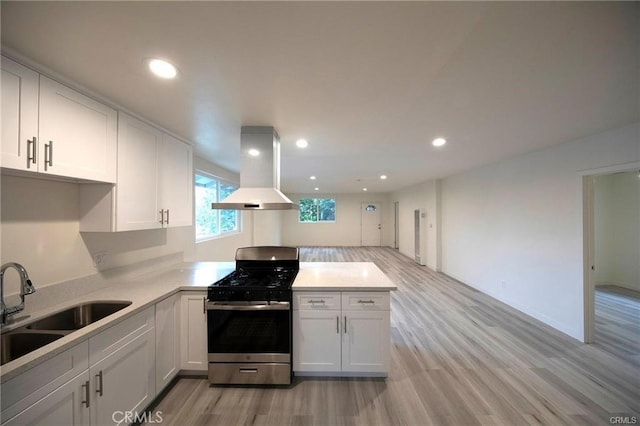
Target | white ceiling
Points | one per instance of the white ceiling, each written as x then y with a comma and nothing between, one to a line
368,84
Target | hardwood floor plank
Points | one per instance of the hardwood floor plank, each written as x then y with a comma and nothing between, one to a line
458,357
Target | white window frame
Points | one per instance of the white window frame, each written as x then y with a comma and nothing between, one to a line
335,202
219,180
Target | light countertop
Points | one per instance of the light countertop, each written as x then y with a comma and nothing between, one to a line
146,290
342,276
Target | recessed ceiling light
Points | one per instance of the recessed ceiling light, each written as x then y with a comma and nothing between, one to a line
162,69
383,177
316,189
364,189
439,141
253,152
312,177
302,143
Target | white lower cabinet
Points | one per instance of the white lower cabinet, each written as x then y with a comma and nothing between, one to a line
94,383
366,341
341,333
193,331
167,341
67,405
317,341
122,368
54,392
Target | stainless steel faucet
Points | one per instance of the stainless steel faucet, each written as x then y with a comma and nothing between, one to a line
26,287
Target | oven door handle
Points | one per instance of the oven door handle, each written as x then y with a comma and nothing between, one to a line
260,306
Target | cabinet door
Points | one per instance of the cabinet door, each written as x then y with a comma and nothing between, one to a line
124,380
19,116
137,201
366,341
77,134
66,405
193,332
167,341
316,341
176,184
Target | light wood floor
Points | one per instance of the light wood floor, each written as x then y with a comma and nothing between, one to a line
458,357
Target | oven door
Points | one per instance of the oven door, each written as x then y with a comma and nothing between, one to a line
249,332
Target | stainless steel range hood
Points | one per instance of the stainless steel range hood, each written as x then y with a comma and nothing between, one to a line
259,173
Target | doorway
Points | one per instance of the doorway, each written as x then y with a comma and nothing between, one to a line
396,225
611,243
371,224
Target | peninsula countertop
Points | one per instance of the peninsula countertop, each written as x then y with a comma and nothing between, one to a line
147,289
341,276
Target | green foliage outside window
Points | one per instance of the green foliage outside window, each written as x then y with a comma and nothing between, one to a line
317,210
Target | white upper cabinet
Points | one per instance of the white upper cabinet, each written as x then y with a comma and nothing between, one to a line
19,116
176,182
77,134
154,188
52,129
137,192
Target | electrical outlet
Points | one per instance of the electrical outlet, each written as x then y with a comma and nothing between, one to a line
99,258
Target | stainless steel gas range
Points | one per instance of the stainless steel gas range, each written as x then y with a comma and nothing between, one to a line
249,318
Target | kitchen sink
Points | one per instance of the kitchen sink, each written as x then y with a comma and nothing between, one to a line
17,344
32,336
79,316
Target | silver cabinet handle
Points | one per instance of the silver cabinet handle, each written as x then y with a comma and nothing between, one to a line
48,159
248,306
204,305
167,222
313,302
248,371
31,152
345,324
99,387
87,394
337,324
371,302
161,217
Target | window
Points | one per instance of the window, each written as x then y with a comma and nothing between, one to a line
209,222
314,210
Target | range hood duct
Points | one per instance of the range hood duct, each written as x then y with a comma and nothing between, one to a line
259,174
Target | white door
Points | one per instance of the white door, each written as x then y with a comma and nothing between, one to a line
67,405
193,332
176,182
19,116
124,380
371,224
366,341
167,341
139,147
316,341
78,135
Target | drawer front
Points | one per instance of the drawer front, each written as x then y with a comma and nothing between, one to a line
36,383
250,374
367,301
317,301
112,339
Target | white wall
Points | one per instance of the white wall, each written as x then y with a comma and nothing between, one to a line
40,230
39,223
617,229
514,229
422,196
345,231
